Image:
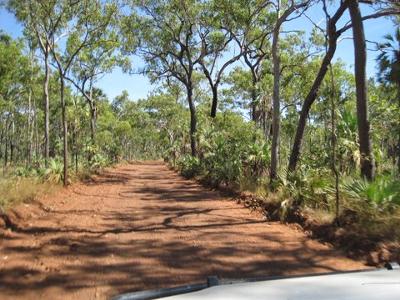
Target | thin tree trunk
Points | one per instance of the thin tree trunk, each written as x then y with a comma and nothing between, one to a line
46,107
214,103
253,105
30,140
311,96
333,36
360,59
276,106
36,132
93,114
76,146
2,143
65,129
93,117
193,121
12,142
334,146
6,139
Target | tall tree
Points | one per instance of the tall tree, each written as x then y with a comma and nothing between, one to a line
282,14
171,48
15,80
95,60
251,24
80,33
332,35
42,24
360,61
215,43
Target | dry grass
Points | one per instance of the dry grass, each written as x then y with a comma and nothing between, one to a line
16,190
320,216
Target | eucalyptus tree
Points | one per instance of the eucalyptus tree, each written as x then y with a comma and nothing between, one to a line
360,62
96,59
283,12
251,23
15,75
216,43
171,47
84,23
43,22
332,34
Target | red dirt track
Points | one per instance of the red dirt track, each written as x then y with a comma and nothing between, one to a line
141,226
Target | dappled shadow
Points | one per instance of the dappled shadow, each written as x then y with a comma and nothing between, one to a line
151,232
155,263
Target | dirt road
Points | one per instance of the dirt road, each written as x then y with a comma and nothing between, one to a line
142,226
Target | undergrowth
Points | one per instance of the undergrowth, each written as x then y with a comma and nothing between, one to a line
366,209
14,190
23,184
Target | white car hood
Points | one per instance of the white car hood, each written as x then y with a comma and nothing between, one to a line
367,285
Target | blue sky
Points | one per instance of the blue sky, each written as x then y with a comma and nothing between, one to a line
138,86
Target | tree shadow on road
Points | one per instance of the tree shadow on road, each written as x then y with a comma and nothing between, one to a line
166,236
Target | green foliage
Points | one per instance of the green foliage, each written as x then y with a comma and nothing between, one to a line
99,161
189,166
307,187
26,171
383,193
54,173
223,159
389,58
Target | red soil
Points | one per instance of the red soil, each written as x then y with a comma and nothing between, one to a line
142,226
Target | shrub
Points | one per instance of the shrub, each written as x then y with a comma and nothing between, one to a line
222,161
307,187
189,166
98,161
55,172
257,158
383,193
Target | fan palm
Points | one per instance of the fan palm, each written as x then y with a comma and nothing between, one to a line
389,67
389,59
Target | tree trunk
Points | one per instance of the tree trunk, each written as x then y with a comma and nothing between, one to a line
93,115
46,107
36,132
253,105
333,36
12,141
2,143
30,130
6,139
93,122
193,121
65,129
76,145
311,96
360,59
334,145
214,103
276,106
